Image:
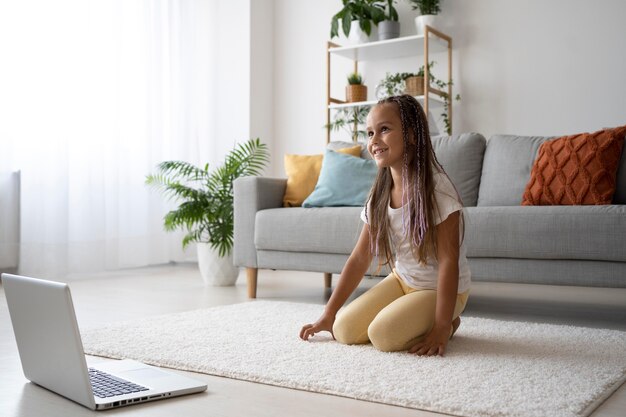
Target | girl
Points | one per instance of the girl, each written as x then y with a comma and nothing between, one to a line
413,219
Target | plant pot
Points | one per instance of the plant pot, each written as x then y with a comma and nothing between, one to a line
388,29
427,19
414,86
356,35
216,271
356,92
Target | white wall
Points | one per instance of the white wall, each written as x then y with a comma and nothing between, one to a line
261,72
232,64
540,67
9,219
532,68
300,32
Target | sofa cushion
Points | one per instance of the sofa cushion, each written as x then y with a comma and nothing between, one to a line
344,181
620,181
550,272
297,229
547,232
341,144
577,169
506,169
302,174
462,158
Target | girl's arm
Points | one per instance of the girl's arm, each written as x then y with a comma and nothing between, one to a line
447,287
352,273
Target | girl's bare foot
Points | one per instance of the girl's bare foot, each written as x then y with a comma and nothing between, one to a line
455,325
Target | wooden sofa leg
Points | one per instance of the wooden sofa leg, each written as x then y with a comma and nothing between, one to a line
328,279
252,274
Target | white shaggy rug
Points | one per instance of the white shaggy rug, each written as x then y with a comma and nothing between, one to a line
491,368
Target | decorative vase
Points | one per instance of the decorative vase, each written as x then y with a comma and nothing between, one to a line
356,34
414,86
216,271
356,92
423,20
388,29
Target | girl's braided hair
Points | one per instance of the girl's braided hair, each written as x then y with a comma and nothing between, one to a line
418,188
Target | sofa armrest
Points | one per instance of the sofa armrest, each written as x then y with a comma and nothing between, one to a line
252,194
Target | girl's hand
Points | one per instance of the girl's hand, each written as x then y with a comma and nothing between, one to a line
434,343
325,323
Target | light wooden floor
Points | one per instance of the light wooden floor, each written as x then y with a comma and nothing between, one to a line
173,288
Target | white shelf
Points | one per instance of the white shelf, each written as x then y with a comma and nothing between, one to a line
390,48
384,51
434,99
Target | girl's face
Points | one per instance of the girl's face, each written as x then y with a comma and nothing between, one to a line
384,130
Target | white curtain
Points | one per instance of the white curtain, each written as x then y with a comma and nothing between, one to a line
93,94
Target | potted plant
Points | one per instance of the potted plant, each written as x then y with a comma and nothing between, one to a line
355,90
351,120
428,10
441,85
357,17
206,205
389,28
413,84
393,84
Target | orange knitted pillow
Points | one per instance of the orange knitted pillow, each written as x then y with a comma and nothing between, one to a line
576,170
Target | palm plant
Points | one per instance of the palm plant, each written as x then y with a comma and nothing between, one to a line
206,209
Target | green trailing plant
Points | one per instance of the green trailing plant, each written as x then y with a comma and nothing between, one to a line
355,79
390,11
351,120
365,12
394,84
206,198
444,115
425,6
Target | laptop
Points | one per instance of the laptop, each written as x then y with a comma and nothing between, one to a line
52,353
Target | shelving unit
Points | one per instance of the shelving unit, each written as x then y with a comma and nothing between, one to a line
372,102
431,42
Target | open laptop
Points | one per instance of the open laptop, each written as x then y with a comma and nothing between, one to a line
52,353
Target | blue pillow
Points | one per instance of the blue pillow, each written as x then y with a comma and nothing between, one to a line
344,180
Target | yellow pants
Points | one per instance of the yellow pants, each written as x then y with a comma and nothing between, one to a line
391,315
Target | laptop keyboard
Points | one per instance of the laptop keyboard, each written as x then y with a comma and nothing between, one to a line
105,385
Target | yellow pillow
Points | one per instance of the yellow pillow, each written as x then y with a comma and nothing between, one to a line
302,174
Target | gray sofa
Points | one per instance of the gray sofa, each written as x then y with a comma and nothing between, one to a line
506,242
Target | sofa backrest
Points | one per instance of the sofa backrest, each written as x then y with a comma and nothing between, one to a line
507,165
460,155
493,172
462,158
506,169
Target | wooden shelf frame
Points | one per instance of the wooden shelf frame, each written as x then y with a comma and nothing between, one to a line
432,41
336,104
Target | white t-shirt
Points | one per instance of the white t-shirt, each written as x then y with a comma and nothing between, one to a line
424,276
